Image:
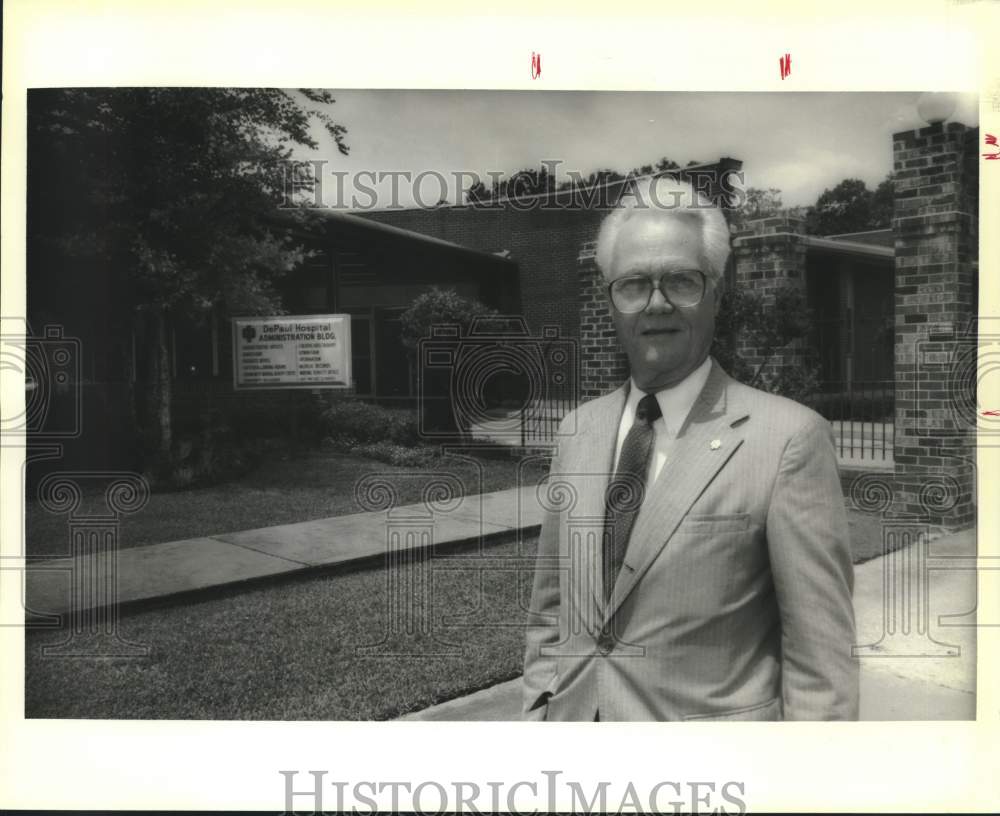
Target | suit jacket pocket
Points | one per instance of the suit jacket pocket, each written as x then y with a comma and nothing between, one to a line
769,710
708,525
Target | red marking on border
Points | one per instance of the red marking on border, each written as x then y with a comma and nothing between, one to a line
991,413
991,140
536,65
785,65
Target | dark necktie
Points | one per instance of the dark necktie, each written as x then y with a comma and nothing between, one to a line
625,492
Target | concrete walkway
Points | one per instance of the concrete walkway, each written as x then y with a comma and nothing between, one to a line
925,671
928,674
81,583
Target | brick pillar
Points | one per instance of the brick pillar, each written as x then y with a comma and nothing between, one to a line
770,253
604,365
935,225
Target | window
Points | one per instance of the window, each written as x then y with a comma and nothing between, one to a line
361,353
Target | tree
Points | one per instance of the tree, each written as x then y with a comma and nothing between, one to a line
598,177
435,308
851,207
528,181
759,203
744,318
173,194
883,203
440,307
520,185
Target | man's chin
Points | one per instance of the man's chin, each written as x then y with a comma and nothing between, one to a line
656,378
658,361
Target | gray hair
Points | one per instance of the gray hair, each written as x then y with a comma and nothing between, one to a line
673,198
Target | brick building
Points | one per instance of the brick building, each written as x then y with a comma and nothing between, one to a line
542,234
895,331
895,312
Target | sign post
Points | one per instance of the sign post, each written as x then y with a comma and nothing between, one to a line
290,352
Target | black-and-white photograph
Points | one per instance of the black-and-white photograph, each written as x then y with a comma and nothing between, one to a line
523,408
456,405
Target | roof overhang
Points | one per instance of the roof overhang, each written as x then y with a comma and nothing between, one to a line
854,248
332,220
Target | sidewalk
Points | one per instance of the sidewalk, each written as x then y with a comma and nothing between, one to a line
198,564
925,672
928,678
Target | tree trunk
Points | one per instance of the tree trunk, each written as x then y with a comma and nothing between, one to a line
158,392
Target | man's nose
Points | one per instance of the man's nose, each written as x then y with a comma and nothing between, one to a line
658,303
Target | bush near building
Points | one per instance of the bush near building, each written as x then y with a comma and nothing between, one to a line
373,431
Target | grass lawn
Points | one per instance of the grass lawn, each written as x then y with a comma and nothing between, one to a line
282,490
866,536
290,650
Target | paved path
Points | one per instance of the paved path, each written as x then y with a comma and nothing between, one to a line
939,684
162,570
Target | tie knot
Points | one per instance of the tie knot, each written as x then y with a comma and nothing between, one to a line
648,409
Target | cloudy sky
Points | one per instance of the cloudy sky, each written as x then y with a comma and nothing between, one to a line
800,143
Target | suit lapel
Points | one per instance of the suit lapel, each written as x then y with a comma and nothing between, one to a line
694,461
591,473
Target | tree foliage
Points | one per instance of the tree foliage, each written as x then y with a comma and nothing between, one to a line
745,319
167,198
759,203
528,181
851,207
436,384
174,189
439,307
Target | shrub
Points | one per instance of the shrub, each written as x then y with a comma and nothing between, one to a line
796,382
350,423
399,455
213,455
436,307
745,317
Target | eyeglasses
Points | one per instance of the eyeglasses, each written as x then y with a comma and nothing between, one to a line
632,294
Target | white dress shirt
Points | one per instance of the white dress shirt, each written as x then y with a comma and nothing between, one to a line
675,404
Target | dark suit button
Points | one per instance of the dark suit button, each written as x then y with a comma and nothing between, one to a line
605,642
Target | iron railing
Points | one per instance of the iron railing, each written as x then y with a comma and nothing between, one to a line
540,420
862,413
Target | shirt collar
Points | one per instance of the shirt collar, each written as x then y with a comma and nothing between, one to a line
675,402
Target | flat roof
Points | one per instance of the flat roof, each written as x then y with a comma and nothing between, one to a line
878,237
843,247
358,222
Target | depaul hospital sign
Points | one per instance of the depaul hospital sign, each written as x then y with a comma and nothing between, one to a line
292,351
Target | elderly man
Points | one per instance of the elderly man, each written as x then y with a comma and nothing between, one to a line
694,561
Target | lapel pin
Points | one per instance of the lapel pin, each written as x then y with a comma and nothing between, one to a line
715,444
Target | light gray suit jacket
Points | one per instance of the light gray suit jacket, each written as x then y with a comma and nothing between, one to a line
734,601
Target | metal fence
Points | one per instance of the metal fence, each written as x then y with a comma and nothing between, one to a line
539,421
862,414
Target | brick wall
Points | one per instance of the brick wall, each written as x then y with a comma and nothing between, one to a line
935,226
543,243
559,286
605,366
770,253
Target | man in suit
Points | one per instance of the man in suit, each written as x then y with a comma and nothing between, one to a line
694,561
